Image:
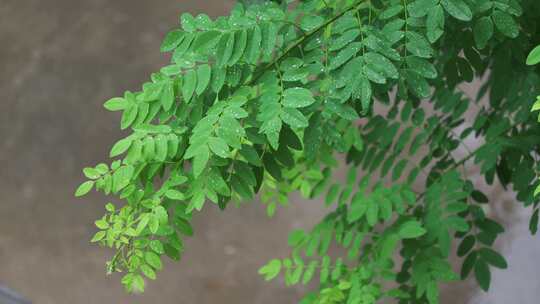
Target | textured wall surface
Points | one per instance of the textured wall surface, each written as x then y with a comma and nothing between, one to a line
59,60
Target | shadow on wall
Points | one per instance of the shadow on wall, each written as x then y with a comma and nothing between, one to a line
60,60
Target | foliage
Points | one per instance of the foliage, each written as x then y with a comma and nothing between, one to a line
268,100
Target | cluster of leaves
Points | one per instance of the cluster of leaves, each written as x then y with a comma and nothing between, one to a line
267,99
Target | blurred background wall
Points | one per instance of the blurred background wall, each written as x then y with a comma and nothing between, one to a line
59,61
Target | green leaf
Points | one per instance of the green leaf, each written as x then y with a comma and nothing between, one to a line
175,195
325,269
466,245
137,285
203,78
482,274
372,213
420,8
297,98
381,64
505,23
365,94
253,49
219,147
358,208
310,22
84,188
115,104
101,224
398,169
148,272
457,223
225,49
251,155
391,12
342,110
435,23
492,257
344,39
200,160
417,84
189,84
479,197
239,46
188,22
310,271
457,9
98,236
128,116
161,147
533,223
143,222
344,55
172,40
294,118
534,56
422,67
411,230
206,40
271,270
167,96
91,173
483,31
418,45
153,260
270,33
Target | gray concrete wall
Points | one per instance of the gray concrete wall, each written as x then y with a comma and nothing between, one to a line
59,60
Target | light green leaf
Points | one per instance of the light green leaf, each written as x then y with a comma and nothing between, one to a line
120,147
153,260
271,269
137,284
84,188
148,272
98,236
534,56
